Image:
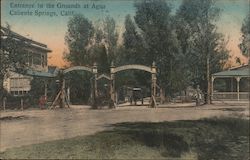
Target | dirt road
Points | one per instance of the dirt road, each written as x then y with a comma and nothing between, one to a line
19,128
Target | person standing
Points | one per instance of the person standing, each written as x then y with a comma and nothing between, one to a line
42,101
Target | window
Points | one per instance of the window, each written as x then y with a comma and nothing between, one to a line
43,61
19,83
37,59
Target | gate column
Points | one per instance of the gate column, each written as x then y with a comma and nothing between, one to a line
112,81
153,84
95,79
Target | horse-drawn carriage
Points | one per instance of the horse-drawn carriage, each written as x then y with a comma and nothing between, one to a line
135,94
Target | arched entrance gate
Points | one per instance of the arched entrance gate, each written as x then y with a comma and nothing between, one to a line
113,71
152,70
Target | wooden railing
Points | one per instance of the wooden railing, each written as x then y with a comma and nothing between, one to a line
230,96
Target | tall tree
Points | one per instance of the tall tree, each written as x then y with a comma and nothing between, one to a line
99,55
245,29
200,41
78,38
12,55
110,37
105,35
133,43
155,21
133,53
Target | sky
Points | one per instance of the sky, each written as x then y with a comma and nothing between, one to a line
45,21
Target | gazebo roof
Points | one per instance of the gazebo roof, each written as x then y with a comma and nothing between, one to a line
240,71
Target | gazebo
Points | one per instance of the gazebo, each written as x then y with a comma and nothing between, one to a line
232,84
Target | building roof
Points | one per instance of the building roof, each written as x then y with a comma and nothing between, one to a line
29,42
52,72
40,74
242,71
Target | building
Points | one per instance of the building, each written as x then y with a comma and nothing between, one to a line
36,60
232,84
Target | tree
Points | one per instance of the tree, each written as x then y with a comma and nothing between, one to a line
104,41
133,43
245,29
12,56
110,37
155,21
88,44
201,44
78,38
99,55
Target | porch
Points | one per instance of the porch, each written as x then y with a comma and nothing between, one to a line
233,84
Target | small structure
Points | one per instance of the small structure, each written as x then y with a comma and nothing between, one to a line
233,84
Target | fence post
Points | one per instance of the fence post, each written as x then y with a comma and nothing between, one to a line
4,103
22,104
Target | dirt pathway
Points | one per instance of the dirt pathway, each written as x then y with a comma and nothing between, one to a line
19,128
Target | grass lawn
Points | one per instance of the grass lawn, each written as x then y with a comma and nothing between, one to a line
215,138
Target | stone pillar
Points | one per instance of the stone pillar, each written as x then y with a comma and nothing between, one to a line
153,84
112,82
95,79
238,87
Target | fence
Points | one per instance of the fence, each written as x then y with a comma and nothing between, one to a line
230,96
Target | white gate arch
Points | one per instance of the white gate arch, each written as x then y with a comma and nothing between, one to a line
151,70
134,67
78,68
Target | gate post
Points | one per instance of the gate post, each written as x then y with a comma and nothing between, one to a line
95,80
4,103
112,81
94,89
62,103
153,85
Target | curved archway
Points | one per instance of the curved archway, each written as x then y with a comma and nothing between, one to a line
151,70
75,68
92,70
113,70
133,66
